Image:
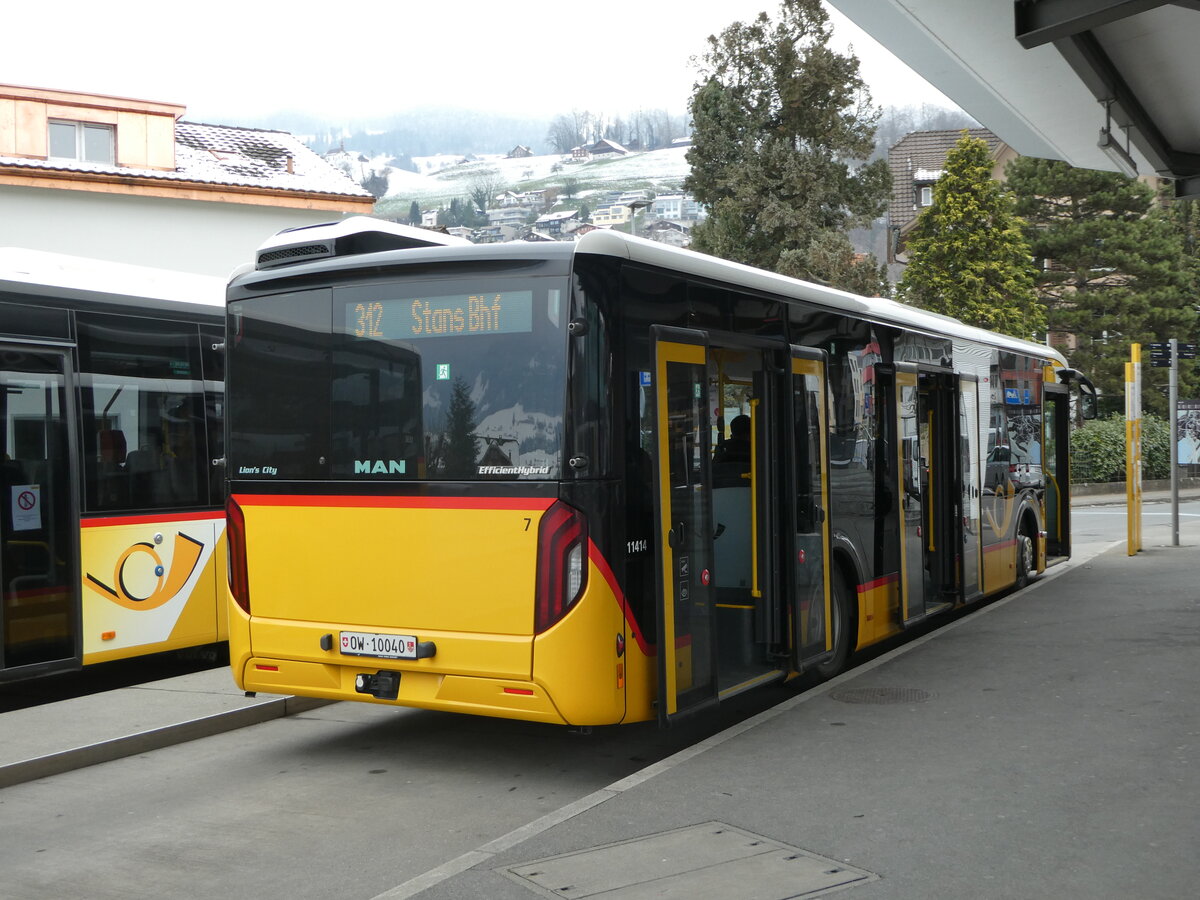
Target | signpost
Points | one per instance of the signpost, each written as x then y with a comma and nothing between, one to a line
1164,354
1133,450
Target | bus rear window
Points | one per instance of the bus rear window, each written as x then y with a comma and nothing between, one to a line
446,380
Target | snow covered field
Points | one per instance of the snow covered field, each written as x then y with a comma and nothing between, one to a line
444,177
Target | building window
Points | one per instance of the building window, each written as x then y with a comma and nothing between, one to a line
83,141
926,196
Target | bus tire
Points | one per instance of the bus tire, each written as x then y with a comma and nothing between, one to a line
842,626
1025,562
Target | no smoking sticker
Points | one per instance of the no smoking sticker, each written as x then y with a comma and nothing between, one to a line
26,507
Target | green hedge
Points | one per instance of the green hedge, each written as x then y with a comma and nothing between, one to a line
1098,450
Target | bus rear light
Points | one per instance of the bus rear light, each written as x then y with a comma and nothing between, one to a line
235,531
561,564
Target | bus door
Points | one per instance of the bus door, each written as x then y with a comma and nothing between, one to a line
808,568
39,516
687,665
932,536
1057,461
969,456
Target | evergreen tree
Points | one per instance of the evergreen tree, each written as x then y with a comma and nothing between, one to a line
778,117
461,445
967,255
376,182
1114,271
414,213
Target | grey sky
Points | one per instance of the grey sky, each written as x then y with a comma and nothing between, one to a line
227,61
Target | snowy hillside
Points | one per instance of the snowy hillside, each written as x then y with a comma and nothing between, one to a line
443,178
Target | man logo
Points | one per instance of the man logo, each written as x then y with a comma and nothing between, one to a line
379,467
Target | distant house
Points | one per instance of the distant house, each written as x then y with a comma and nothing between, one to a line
508,215
605,147
916,162
460,231
537,236
614,214
496,234
677,207
519,152
429,218
682,141
557,224
130,181
672,233
580,153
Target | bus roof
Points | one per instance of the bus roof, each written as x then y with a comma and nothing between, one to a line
877,309
21,268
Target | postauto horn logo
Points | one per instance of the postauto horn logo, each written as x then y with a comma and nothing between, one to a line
166,584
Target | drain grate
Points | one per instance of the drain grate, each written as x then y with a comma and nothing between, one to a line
709,860
881,695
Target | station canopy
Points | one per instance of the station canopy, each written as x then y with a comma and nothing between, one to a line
1101,84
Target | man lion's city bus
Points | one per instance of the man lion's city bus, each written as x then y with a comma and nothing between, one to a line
111,526
502,479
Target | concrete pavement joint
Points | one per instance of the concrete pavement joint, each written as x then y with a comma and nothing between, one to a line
482,854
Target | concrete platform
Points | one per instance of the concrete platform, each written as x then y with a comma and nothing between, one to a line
58,737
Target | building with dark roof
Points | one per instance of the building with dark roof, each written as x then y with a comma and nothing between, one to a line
130,181
916,163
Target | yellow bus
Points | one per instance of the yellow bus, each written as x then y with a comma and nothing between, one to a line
111,419
607,480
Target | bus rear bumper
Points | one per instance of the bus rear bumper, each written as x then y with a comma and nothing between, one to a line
504,698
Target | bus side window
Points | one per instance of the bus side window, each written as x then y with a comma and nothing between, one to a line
143,408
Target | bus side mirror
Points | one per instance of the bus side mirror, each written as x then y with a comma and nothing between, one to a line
1087,404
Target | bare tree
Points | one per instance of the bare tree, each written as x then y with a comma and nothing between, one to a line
482,187
563,135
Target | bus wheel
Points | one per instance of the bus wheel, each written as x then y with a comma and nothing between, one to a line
840,624
1025,562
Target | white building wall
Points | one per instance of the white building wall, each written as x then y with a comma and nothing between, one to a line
204,237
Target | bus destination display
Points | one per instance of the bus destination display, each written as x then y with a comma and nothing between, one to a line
505,312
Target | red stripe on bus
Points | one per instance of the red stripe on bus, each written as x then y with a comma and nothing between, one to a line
878,583
352,502
999,546
151,518
610,579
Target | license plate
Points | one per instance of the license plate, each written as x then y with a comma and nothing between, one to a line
382,646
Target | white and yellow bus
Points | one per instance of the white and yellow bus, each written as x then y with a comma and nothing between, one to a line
505,479
111,479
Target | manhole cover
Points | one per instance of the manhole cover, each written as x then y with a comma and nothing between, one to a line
709,860
881,695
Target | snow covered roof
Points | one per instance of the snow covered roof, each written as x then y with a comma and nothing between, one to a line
227,155
558,216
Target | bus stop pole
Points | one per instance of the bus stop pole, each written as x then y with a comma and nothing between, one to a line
1173,390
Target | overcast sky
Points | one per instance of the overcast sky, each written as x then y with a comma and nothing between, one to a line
226,61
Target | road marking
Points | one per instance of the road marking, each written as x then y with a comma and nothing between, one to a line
487,851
